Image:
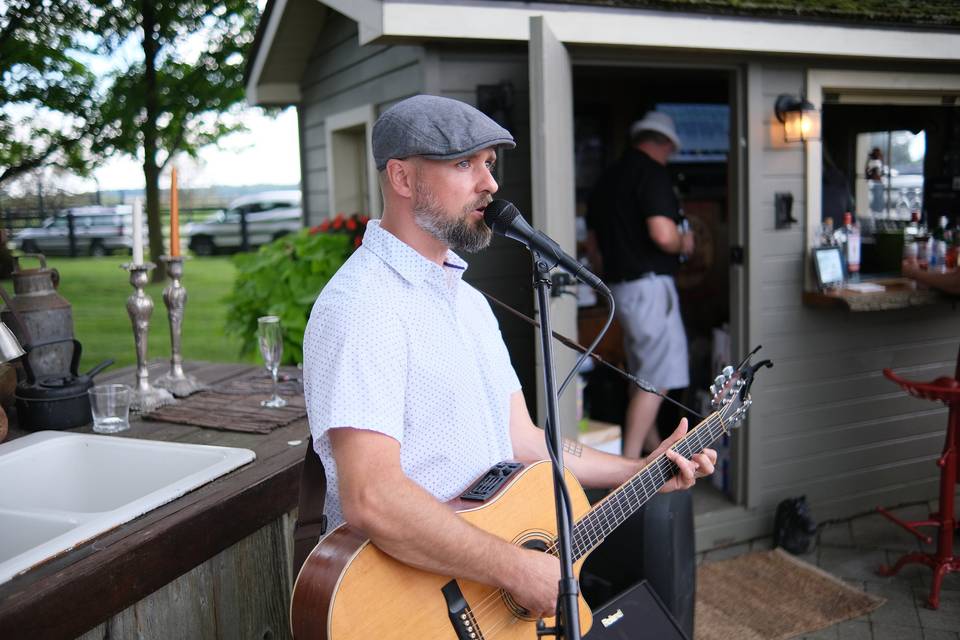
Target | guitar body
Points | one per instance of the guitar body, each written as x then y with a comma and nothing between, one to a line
350,590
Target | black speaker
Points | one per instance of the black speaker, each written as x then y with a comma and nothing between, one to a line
636,614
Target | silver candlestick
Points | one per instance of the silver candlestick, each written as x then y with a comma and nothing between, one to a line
139,307
176,381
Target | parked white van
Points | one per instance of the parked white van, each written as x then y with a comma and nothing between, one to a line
269,215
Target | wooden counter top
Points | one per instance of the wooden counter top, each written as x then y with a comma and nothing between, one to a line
898,293
72,593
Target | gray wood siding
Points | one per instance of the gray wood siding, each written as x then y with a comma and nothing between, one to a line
504,269
242,592
341,75
825,422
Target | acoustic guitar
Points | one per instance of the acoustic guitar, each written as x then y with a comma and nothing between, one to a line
350,590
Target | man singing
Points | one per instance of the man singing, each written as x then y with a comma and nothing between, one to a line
409,387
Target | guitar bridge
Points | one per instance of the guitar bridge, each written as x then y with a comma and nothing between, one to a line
491,481
464,624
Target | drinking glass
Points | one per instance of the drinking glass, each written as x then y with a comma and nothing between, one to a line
270,339
110,406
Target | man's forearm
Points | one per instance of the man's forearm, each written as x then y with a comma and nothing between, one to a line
947,282
413,527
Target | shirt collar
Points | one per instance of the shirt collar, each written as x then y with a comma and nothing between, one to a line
403,259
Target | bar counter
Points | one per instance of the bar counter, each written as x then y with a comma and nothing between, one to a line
226,589
898,293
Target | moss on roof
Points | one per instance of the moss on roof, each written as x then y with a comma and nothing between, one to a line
922,13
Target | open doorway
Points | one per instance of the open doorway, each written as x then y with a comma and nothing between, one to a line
607,100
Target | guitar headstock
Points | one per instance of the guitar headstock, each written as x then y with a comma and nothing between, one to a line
730,391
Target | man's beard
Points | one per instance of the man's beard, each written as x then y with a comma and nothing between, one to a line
461,233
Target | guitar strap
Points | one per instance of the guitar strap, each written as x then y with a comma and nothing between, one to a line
311,522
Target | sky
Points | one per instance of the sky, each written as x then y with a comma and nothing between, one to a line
267,153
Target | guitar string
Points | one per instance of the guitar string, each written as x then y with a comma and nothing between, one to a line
661,469
497,627
702,434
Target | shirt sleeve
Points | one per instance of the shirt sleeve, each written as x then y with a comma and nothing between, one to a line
355,370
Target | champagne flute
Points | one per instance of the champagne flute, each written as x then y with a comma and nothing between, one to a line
270,339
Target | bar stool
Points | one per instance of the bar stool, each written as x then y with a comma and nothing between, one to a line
947,391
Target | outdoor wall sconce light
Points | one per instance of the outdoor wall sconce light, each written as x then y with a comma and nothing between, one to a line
801,120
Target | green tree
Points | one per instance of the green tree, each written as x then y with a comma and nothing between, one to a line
48,97
185,92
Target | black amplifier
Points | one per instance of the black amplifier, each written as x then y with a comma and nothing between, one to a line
636,614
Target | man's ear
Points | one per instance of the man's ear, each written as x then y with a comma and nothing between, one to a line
401,176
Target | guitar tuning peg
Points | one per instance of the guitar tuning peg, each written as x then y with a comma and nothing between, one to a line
713,391
727,372
719,382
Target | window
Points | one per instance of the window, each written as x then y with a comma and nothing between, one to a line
890,185
890,146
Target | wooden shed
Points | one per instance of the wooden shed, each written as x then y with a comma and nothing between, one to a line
568,78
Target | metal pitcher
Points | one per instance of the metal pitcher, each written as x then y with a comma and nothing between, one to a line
37,313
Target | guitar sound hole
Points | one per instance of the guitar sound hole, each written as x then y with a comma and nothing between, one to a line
536,541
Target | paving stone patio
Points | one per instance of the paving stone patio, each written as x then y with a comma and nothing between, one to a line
852,550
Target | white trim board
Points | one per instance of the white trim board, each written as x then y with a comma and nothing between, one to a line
363,115
254,88
578,24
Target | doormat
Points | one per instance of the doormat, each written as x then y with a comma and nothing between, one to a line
771,595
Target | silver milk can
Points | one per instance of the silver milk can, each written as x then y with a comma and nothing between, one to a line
43,313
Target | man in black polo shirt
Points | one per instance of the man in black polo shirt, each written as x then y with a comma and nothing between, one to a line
634,218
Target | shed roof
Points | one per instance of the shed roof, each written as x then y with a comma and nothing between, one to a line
926,13
920,30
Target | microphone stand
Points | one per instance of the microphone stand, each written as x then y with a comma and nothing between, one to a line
567,620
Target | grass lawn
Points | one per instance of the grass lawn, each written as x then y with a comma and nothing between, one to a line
98,288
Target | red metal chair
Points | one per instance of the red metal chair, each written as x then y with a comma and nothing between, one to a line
947,391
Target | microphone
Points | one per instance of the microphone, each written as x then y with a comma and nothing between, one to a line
505,220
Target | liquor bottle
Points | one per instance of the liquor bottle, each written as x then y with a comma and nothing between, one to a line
940,231
953,249
923,241
825,236
852,248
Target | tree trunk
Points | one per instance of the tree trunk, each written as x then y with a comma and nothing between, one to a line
151,171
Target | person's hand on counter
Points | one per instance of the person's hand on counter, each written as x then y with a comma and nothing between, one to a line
946,281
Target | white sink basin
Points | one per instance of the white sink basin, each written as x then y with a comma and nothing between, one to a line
61,489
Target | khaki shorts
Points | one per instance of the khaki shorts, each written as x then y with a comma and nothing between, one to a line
648,310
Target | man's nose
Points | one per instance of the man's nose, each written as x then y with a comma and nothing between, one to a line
487,182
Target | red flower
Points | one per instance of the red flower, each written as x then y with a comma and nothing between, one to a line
351,225
325,225
314,230
364,220
357,241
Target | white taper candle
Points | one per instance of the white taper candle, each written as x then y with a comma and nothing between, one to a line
137,232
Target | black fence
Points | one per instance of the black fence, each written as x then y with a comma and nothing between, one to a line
16,219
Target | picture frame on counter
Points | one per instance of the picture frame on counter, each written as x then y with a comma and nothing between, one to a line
829,267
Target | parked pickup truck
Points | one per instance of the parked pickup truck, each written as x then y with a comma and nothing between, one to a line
269,215
97,230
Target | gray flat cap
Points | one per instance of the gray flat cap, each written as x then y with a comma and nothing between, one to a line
435,128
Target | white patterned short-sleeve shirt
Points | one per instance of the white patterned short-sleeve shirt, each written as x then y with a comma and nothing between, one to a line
400,345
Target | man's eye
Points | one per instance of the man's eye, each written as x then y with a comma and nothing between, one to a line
464,164
491,165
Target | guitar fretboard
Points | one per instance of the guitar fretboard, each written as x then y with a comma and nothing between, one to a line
620,504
